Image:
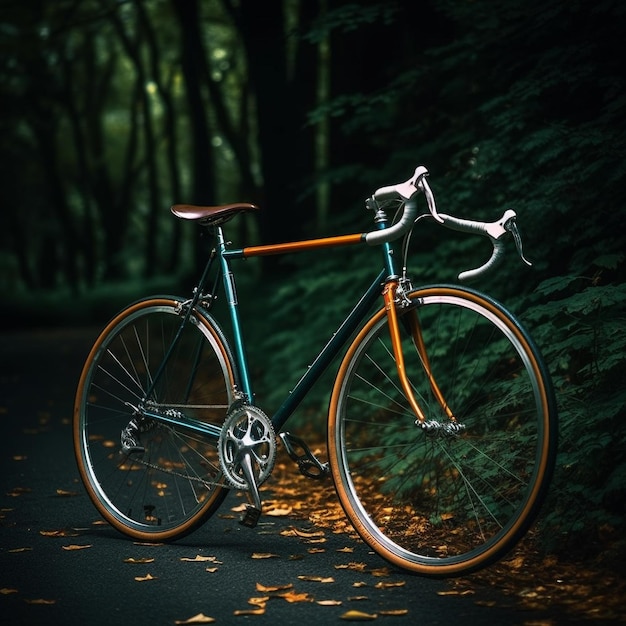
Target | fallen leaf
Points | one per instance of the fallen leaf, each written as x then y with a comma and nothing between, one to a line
456,592
211,570
64,493
200,559
292,596
394,612
201,618
40,601
272,588
258,611
296,532
380,572
284,512
387,585
346,549
21,550
76,547
328,602
141,579
318,579
5,591
357,598
264,555
20,457
58,533
358,567
18,491
358,616
316,550
141,560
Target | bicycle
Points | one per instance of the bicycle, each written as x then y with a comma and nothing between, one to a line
442,423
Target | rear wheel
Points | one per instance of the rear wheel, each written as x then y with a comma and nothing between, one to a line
171,487
453,497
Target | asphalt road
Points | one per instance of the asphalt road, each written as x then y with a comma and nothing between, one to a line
45,514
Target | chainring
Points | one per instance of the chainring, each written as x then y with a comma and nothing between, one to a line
247,430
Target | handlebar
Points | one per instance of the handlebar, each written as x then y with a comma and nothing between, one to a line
407,193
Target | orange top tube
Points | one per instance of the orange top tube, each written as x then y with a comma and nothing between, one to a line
299,246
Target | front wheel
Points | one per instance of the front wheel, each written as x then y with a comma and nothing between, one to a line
171,481
452,497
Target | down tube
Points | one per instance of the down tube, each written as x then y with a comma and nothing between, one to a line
330,351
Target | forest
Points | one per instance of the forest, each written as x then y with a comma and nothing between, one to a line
113,110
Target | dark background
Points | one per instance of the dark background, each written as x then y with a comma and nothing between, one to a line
114,110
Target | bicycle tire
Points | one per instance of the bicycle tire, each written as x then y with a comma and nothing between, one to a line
447,502
172,487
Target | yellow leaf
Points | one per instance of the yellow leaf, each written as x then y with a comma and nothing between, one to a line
5,591
346,549
357,598
307,534
199,558
279,512
143,560
21,550
358,616
76,547
318,579
264,555
316,550
201,618
258,611
64,493
212,570
292,596
385,585
394,612
141,579
381,572
20,457
272,588
329,602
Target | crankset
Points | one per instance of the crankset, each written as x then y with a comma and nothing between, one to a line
247,452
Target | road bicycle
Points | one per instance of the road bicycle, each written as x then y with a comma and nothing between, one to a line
441,429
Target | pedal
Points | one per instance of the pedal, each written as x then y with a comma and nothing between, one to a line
308,464
250,517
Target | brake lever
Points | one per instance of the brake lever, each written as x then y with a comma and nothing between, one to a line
511,226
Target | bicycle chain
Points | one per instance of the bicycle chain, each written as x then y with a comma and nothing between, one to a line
206,483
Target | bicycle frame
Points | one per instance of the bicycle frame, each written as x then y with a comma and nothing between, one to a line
385,284
338,338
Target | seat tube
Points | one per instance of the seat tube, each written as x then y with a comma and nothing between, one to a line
233,309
